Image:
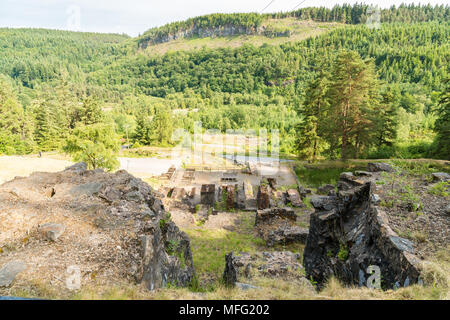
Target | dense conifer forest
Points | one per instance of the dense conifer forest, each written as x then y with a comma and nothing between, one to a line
352,92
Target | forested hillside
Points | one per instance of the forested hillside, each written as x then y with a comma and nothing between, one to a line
55,82
38,55
250,23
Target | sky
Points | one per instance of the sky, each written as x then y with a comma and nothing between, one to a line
134,17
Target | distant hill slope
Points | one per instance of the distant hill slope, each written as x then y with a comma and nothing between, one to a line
41,55
289,30
422,60
254,24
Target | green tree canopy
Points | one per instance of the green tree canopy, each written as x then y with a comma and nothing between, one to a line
95,144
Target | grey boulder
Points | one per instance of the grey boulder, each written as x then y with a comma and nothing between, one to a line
9,272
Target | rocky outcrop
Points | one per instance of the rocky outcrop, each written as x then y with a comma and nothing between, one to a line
440,177
112,224
263,197
348,234
348,180
325,189
223,31
166,256
286,234
230,272
278,226
293,197
164,250
379,166
304,192
204,32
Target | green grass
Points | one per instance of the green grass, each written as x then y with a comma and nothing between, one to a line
343,253
210,246
316,175
287,187
420,168
441,189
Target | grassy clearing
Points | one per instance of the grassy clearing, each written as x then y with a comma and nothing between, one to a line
327,172
421,167
210,246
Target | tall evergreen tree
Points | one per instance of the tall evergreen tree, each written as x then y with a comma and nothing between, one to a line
91,111
142,131
95,144
162,126
385,117
351,96
309,131
442,126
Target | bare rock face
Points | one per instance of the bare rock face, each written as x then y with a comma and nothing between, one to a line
230,201
348,233
277,226
167,257
293,197
348,181
379,166
164,250
230,272
263,197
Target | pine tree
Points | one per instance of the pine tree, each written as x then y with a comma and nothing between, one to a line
44,129
442,126
309,144
142,131
162,126
91,111
309,141
11,111
95,144
16,124
385,117
352,93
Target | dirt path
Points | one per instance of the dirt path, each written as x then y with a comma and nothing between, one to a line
13,166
